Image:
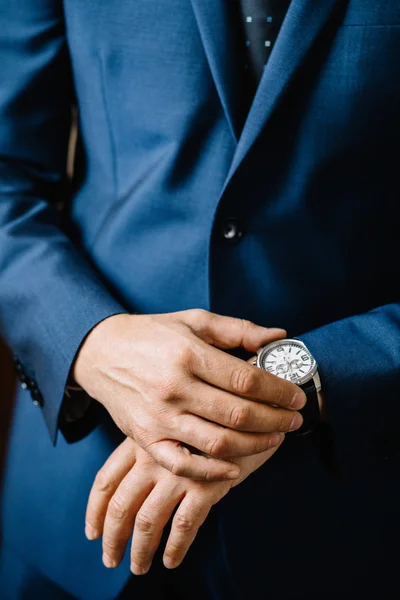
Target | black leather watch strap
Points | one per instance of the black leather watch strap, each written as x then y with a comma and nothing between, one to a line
320,432
310,412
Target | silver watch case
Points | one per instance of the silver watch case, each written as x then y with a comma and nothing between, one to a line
313,373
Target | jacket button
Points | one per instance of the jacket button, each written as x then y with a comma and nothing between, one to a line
17,365
231,230
37,397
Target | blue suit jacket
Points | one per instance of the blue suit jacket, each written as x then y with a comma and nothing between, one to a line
312,180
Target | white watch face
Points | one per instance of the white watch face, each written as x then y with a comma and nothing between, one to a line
288,359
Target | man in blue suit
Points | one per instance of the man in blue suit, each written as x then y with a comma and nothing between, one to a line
226,179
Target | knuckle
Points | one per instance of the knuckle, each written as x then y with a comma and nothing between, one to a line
281,422
262,443
178,469
94,515
111,546
279,395
246,324
117,509
199,315
168,390
183,523
103,482
144,523
243,380
239,417
183,357
217,446
140,556
208,475
174,550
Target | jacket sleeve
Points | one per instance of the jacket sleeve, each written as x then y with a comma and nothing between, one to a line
50,294
359,363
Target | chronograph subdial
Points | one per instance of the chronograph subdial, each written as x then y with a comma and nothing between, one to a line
296,364
282,368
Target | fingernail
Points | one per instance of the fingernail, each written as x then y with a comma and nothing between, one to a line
169,563
275,330
296,422
274,440
299,400
136,570
90,532
234,474
108,561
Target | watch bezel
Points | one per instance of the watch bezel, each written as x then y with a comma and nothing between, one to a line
302,380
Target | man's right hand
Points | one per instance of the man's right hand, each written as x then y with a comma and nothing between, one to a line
168,385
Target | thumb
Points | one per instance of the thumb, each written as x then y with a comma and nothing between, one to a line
181,461
229,332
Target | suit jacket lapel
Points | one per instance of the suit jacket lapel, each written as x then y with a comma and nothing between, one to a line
219,40
304,22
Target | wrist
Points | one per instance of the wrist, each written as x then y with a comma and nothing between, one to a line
89,353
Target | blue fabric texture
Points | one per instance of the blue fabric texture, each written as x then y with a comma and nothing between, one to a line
162,161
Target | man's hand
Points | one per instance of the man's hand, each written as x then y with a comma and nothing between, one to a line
166,384
132,492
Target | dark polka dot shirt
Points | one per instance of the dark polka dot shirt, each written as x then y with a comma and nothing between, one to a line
259,23
262,21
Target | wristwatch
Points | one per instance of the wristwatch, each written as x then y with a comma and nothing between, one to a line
290,359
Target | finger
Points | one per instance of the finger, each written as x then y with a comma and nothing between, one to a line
104,486
150,522
179,460
242,379
121,512
189,517
235,412
229,332
221,442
